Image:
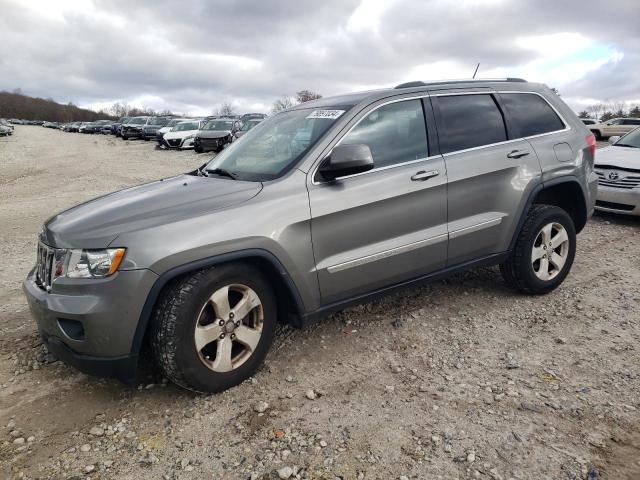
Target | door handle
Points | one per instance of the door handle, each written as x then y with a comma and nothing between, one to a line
423,175
517,154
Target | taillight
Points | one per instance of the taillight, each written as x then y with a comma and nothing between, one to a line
591,143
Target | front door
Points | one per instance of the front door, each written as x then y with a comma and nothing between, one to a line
387,225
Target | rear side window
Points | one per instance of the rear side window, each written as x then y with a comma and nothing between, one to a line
395,133
469,121
531,114
631,121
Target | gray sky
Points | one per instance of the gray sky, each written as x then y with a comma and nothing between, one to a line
190,56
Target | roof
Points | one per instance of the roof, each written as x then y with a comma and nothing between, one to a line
352,99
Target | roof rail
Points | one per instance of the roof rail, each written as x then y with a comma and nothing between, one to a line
419,83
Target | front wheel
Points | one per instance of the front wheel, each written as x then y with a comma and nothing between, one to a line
212,330
544,251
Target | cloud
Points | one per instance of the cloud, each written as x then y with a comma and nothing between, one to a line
193,55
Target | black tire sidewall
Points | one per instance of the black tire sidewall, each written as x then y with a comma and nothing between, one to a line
196,374
555,215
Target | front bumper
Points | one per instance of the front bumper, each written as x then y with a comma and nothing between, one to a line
91,323
619,200
211,144
131,132
177,143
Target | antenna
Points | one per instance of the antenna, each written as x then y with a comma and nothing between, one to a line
477,67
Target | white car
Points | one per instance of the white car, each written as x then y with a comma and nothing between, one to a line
182,135
618,170
168,127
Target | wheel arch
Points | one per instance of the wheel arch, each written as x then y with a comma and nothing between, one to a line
564,192
288,298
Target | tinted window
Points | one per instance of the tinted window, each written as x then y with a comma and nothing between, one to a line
395,133
469,121
531,114
631,122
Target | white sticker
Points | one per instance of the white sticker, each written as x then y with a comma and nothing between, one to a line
330,114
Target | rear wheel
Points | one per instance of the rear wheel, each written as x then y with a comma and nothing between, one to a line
544,251
124,137
597,134
212,330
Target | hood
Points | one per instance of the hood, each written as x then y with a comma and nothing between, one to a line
213,133
98,222
182,134
621,157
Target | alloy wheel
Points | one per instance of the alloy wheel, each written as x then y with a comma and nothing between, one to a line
550,251
229,327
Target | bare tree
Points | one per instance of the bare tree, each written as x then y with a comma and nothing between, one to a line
225,110
306,96
283,103
596,110
583,114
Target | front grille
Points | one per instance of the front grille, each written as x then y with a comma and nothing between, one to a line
174,142
615,206
621,181
44,266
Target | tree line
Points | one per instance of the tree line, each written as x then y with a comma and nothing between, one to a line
17,105
606,111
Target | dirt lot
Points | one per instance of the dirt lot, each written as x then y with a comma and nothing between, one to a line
459,379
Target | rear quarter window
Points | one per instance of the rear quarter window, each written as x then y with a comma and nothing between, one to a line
531,114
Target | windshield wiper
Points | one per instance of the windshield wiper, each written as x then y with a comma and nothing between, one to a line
624,145
223,173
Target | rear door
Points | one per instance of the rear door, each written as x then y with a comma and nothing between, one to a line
389,224
489,171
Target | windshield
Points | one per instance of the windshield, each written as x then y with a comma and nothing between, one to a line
162,121
631,139
123,120
137,120
174,121
218,125
181,127
275,145
248,125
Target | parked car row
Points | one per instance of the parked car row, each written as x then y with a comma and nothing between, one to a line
6,128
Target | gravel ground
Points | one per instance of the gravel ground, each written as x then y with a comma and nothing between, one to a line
459,379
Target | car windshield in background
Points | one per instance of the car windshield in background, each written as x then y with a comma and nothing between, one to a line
249,125
137,120
182,127
631,139
161,121
174,121
275,145
218,125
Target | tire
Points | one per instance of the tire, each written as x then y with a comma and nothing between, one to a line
528,275
198,149
597,134
187,307
124,137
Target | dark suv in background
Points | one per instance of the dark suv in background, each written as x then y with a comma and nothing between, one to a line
150,129
325,205
132,128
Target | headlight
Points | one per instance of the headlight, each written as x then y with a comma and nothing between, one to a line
94,263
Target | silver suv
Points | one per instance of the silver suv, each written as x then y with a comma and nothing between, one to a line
319,207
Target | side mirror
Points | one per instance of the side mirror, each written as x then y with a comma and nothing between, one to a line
346,160
614,139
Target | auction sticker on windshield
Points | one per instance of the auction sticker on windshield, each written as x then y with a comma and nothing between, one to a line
330,114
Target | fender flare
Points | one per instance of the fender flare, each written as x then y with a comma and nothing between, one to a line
532,195
172,273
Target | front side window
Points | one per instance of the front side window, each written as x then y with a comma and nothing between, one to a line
395,133
469,121
531,114
276,144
